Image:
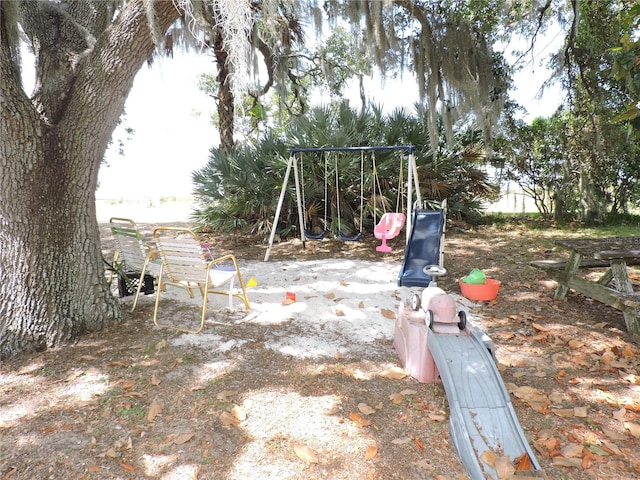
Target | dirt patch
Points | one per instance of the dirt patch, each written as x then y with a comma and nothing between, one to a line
299,394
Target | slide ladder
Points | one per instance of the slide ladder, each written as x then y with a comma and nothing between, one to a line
482,417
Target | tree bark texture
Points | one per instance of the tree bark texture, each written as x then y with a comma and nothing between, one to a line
52,283
226,101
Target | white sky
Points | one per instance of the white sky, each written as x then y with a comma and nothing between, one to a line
173,132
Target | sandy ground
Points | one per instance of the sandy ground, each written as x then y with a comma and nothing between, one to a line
342,307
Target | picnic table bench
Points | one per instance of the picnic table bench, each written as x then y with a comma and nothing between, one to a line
613,287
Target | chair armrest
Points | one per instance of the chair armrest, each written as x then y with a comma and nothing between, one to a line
224,258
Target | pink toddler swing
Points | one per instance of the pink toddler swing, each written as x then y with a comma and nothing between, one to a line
391,223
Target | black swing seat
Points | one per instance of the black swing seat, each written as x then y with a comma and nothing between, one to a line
346,238
312,236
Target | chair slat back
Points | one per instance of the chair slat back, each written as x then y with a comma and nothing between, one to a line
129,242
182,255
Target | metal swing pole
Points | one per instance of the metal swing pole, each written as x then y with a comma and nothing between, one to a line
279,207
303,238
412,176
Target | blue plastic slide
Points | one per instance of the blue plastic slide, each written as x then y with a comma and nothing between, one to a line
423,248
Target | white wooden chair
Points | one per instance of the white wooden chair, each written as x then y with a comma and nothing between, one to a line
184,266
132,254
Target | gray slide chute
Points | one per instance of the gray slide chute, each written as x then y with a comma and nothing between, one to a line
481,417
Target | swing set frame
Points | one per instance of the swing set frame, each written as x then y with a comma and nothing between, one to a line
412,184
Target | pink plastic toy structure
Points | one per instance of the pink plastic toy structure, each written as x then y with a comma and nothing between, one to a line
433,310
389,226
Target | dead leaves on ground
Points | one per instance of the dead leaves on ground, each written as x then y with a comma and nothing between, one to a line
155,409
594,377
395,373
304,453
234,417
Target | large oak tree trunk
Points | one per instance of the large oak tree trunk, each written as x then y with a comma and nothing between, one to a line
52,283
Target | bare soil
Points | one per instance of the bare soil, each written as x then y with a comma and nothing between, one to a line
131,403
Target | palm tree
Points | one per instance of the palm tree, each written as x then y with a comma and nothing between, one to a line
240,189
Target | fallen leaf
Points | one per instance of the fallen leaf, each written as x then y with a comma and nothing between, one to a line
118,364
612,448
343,283
540,407
239,412
401,441
154,410
538,327
134,394
396,398
127,466
340,312
359,420
597,449
128,384
390,314
228,419
587,458
629,377
556,397
620,414
418,443
365,409
182,438
527,394
93,469
304,453
330,295
547,441
572,450
563,412
489,458
437,417
504,467
361,304
371,452
395,373
634,428
581,412
154,379
567,462
288,301
523,462
75,375
111,453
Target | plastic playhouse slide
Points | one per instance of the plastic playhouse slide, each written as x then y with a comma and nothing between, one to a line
423,248
481,416
434,340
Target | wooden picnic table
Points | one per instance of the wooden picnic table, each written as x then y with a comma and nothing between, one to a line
613,287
